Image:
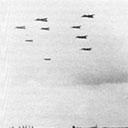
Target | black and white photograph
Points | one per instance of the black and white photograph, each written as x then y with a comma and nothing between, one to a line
63,64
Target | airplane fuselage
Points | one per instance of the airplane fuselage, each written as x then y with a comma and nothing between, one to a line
29,40
89,16
82,37
20,27
47,59
86,49
77,27
45,29
42,19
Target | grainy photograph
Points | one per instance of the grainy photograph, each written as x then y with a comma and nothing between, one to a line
63,63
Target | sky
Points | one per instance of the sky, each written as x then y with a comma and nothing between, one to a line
76,87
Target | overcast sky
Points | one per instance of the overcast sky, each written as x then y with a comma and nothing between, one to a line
76,87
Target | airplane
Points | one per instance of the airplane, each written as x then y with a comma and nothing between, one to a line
20,27
45,28
29,40
77,27
82,37
47,59
86,49
42,19
88,16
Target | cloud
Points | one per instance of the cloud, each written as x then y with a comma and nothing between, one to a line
108,65
98,79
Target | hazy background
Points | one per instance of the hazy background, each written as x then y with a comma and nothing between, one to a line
75,87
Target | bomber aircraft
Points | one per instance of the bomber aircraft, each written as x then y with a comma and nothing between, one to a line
77,27
29,40
86,49
82,37
42,19
45,28
47,59
88,16
20,27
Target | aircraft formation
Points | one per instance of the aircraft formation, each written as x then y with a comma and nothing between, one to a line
42,28
81,37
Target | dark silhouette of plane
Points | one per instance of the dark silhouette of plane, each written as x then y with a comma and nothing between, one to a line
47,59
87,49
20,27
29,40
77,27
45,28
42,19
82,37
88,16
